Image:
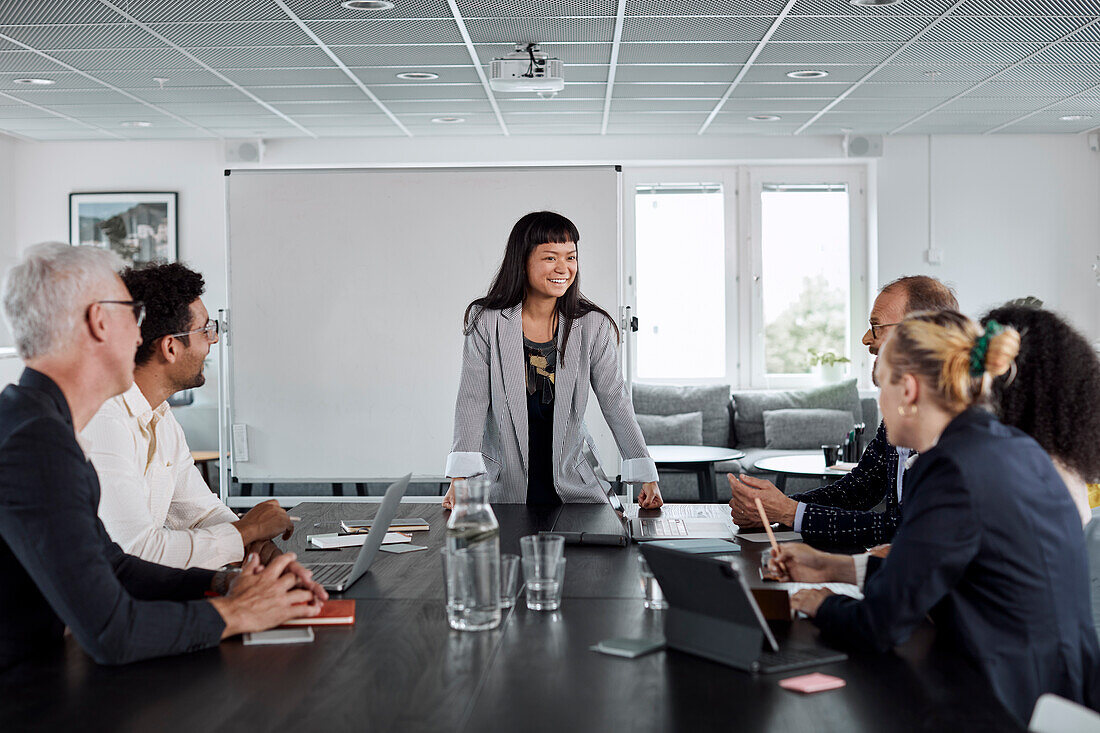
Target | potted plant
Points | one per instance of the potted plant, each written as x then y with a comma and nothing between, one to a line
828,366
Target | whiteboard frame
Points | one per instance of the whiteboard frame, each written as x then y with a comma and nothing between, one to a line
225,387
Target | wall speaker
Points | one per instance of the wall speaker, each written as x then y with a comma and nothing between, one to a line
244,151
863,146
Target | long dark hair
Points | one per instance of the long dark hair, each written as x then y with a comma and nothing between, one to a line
510,284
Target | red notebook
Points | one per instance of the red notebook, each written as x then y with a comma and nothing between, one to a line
333,613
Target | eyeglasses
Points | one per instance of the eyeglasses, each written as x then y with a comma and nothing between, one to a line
137,306
210,330
876,331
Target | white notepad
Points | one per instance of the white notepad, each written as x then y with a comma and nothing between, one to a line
763,537
841,589
332,542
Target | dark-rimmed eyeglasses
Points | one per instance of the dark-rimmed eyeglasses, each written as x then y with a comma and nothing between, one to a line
210,330
876,329
137,306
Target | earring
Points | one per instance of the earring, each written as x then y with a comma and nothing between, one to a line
903,413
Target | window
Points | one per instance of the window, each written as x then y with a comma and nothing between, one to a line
737,278
681,292
805,266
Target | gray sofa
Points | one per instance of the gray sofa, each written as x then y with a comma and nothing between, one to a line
761,423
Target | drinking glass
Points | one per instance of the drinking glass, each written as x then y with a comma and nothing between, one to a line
651,590
543,570
509,572
832,454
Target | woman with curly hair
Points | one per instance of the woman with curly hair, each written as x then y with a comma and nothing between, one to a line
1054,396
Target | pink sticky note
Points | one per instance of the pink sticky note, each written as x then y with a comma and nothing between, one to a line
815,682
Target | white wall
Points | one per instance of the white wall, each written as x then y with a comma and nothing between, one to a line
8,178
1013,216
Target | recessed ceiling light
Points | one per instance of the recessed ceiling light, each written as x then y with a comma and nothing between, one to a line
763,118
808,74
417,75
448,120
34,82
136,123
1074,118
367,4
873,3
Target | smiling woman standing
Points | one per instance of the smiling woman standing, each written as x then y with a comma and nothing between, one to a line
533,347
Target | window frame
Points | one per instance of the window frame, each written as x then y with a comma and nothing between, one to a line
755,178
744,304
727,179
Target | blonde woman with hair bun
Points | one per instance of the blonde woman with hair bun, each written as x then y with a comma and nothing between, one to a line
990,544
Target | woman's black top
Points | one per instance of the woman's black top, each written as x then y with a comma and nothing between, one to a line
540,361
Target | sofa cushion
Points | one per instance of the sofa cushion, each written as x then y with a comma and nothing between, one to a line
711,400
683,429
749,407
805,428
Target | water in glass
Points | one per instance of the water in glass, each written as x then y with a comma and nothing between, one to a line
473,527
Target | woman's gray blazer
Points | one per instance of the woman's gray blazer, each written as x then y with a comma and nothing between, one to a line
490,435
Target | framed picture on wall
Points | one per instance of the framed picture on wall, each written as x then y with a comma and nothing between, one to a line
139,227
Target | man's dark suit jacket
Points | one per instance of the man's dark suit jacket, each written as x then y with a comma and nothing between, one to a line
991,546
58,566
840,513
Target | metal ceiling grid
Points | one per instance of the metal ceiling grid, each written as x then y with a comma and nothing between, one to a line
381,75
258,57
656,53
674,73
929,8
1031,7
1013,104
599,53
77,37
311,10
286,77
138,81
129,60
826,53
966,53
704,7
664,105
420,31
1005,29
669,91
459,106
450,91
869,29
1053,73
213,35
935,73
200,11
49,12
654,29
547,31
412,56
777,73
536,8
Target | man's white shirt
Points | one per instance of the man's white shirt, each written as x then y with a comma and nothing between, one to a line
153,500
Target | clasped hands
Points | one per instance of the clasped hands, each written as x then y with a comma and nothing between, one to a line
264,596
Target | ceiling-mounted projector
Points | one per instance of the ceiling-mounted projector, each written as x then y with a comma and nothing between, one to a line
527,69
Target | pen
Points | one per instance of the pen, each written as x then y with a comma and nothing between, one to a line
767,525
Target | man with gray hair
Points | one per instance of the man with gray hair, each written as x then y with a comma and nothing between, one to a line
77,328
843,513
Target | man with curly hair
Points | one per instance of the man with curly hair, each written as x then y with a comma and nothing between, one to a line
1054,395
154,502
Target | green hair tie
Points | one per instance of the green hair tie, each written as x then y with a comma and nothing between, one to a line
981,348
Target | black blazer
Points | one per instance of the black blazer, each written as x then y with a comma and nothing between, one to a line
841,513
58,567
991,546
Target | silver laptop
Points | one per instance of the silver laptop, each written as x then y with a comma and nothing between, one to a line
339,576
674,521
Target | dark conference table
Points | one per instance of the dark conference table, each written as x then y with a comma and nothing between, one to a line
400,668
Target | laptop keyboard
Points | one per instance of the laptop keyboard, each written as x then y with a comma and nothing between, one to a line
664,528
797,657
329,573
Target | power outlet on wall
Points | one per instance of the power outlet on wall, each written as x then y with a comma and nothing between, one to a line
934,256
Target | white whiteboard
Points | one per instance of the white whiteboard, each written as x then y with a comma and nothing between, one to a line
346,294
